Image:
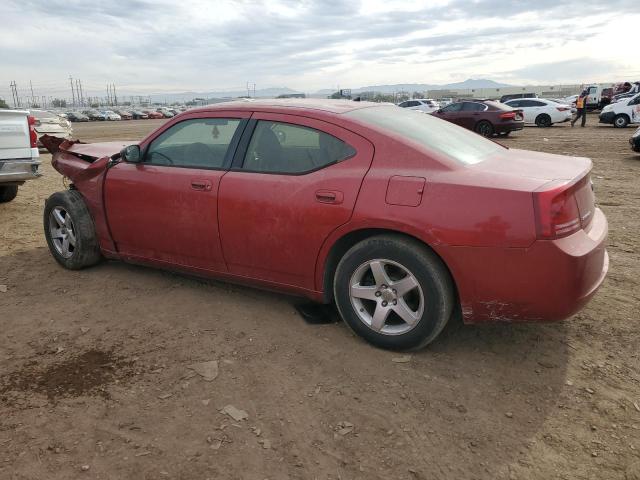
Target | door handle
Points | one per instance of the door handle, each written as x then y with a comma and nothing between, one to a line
329,196
201,185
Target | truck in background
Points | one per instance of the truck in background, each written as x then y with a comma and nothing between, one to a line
19,156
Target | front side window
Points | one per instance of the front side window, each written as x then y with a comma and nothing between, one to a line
277,147
197,143
453,107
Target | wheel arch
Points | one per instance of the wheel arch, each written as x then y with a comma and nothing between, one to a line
335,249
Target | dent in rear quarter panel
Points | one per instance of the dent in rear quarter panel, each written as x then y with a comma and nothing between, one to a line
88,179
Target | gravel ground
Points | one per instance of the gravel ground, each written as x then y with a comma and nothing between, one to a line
100,367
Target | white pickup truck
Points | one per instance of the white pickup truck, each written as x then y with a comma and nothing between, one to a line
19,157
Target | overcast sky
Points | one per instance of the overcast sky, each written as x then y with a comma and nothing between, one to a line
199,45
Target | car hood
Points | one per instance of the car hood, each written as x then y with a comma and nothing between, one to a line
86,151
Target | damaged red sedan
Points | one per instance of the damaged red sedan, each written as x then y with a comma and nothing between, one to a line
403,220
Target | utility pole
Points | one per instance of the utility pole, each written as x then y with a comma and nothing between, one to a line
81,93
78,92
14,94
108,93
32,99
115,97
73,94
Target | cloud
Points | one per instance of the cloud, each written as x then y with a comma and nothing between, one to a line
145,46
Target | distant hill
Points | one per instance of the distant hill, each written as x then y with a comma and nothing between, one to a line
420,87
275,91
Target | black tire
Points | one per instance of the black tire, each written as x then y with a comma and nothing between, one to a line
8,193
429,271
621,121
543,120
484,128
86,251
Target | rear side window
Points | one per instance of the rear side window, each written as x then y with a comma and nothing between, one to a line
278,147
515,103
197,143
432,133
473,107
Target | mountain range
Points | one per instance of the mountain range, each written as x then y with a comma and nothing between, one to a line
275,91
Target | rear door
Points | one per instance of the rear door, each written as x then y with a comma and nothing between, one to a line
294,181
165,209
471,114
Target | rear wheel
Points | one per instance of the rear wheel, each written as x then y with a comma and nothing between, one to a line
394,292
543,120
484,128
8,193
621,121
69,230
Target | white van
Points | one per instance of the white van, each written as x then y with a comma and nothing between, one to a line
622,113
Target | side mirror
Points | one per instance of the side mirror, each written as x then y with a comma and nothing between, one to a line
439,111
131,154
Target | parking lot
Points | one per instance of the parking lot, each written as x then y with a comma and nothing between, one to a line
96,380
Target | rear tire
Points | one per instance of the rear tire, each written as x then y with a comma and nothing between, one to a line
543,120
621,121
70,232
484,128
8,193
394,292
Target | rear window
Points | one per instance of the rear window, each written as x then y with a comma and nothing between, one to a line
446,138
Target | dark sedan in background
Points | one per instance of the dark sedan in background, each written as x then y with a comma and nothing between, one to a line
635,141
484,117
76,117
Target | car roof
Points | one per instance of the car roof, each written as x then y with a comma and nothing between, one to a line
284,104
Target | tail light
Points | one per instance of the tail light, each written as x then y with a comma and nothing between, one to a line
558,209
508,115
563,109
33,136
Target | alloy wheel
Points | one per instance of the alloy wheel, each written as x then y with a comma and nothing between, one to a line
62,232
386,296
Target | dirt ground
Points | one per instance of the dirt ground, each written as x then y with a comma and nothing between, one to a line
96,381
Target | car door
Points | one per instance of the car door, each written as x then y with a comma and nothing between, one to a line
530,110
164,209
470,114
294,180
451,112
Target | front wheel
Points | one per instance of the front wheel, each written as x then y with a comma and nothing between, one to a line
69,230
394,292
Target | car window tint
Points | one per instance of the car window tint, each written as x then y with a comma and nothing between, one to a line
197,143
277,147
430,133
529,103
403,104
515,103
472,107
453,107
412,103
535,103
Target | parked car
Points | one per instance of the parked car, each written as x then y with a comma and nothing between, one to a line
541,112
124,114
77,117
622,113
628,93
19,156
427,105
438,221
94,115
444,101
48,123
485,117
111,115
512,96
166,113
139,114
635,141
153,114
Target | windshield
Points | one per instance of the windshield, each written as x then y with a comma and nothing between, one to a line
446,138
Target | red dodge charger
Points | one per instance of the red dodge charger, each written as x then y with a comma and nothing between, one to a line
400,218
